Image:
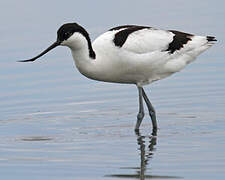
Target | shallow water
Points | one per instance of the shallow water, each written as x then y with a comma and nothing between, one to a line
56,124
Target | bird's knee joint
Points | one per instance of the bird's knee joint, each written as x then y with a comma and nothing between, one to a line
141,115
152,113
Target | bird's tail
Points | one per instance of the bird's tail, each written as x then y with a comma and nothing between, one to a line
199,44
211,39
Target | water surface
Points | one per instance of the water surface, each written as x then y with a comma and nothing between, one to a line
56,124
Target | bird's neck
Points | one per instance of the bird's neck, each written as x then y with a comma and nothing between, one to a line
85,58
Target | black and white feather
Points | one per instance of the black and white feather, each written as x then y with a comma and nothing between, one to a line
145,39
150,54
131,54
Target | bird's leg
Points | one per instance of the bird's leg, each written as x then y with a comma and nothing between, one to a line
141,114
152,112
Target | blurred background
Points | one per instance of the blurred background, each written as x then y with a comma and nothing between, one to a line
56,124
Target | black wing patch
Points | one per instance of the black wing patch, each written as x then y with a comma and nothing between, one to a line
179,40
211,38
121,36
121,27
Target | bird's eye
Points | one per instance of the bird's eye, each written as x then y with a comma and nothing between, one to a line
67,35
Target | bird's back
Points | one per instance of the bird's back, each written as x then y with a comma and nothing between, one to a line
148,53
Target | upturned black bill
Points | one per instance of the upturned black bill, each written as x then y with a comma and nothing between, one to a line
55,44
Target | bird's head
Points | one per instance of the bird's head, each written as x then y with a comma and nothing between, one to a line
71,35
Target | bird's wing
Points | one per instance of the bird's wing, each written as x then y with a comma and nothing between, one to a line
142,39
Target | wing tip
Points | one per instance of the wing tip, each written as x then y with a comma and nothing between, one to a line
211,38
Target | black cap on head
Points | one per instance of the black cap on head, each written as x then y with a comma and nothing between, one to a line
63,33
66,30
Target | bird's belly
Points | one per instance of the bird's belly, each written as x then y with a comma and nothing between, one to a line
129,74
144,74
140,71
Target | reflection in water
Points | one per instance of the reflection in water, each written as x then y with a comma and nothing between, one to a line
145,154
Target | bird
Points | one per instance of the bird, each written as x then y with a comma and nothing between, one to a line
131,54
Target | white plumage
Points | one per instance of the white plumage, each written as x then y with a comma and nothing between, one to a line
131,54
143,59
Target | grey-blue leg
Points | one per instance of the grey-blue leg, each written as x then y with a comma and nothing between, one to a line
151,112
141,114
